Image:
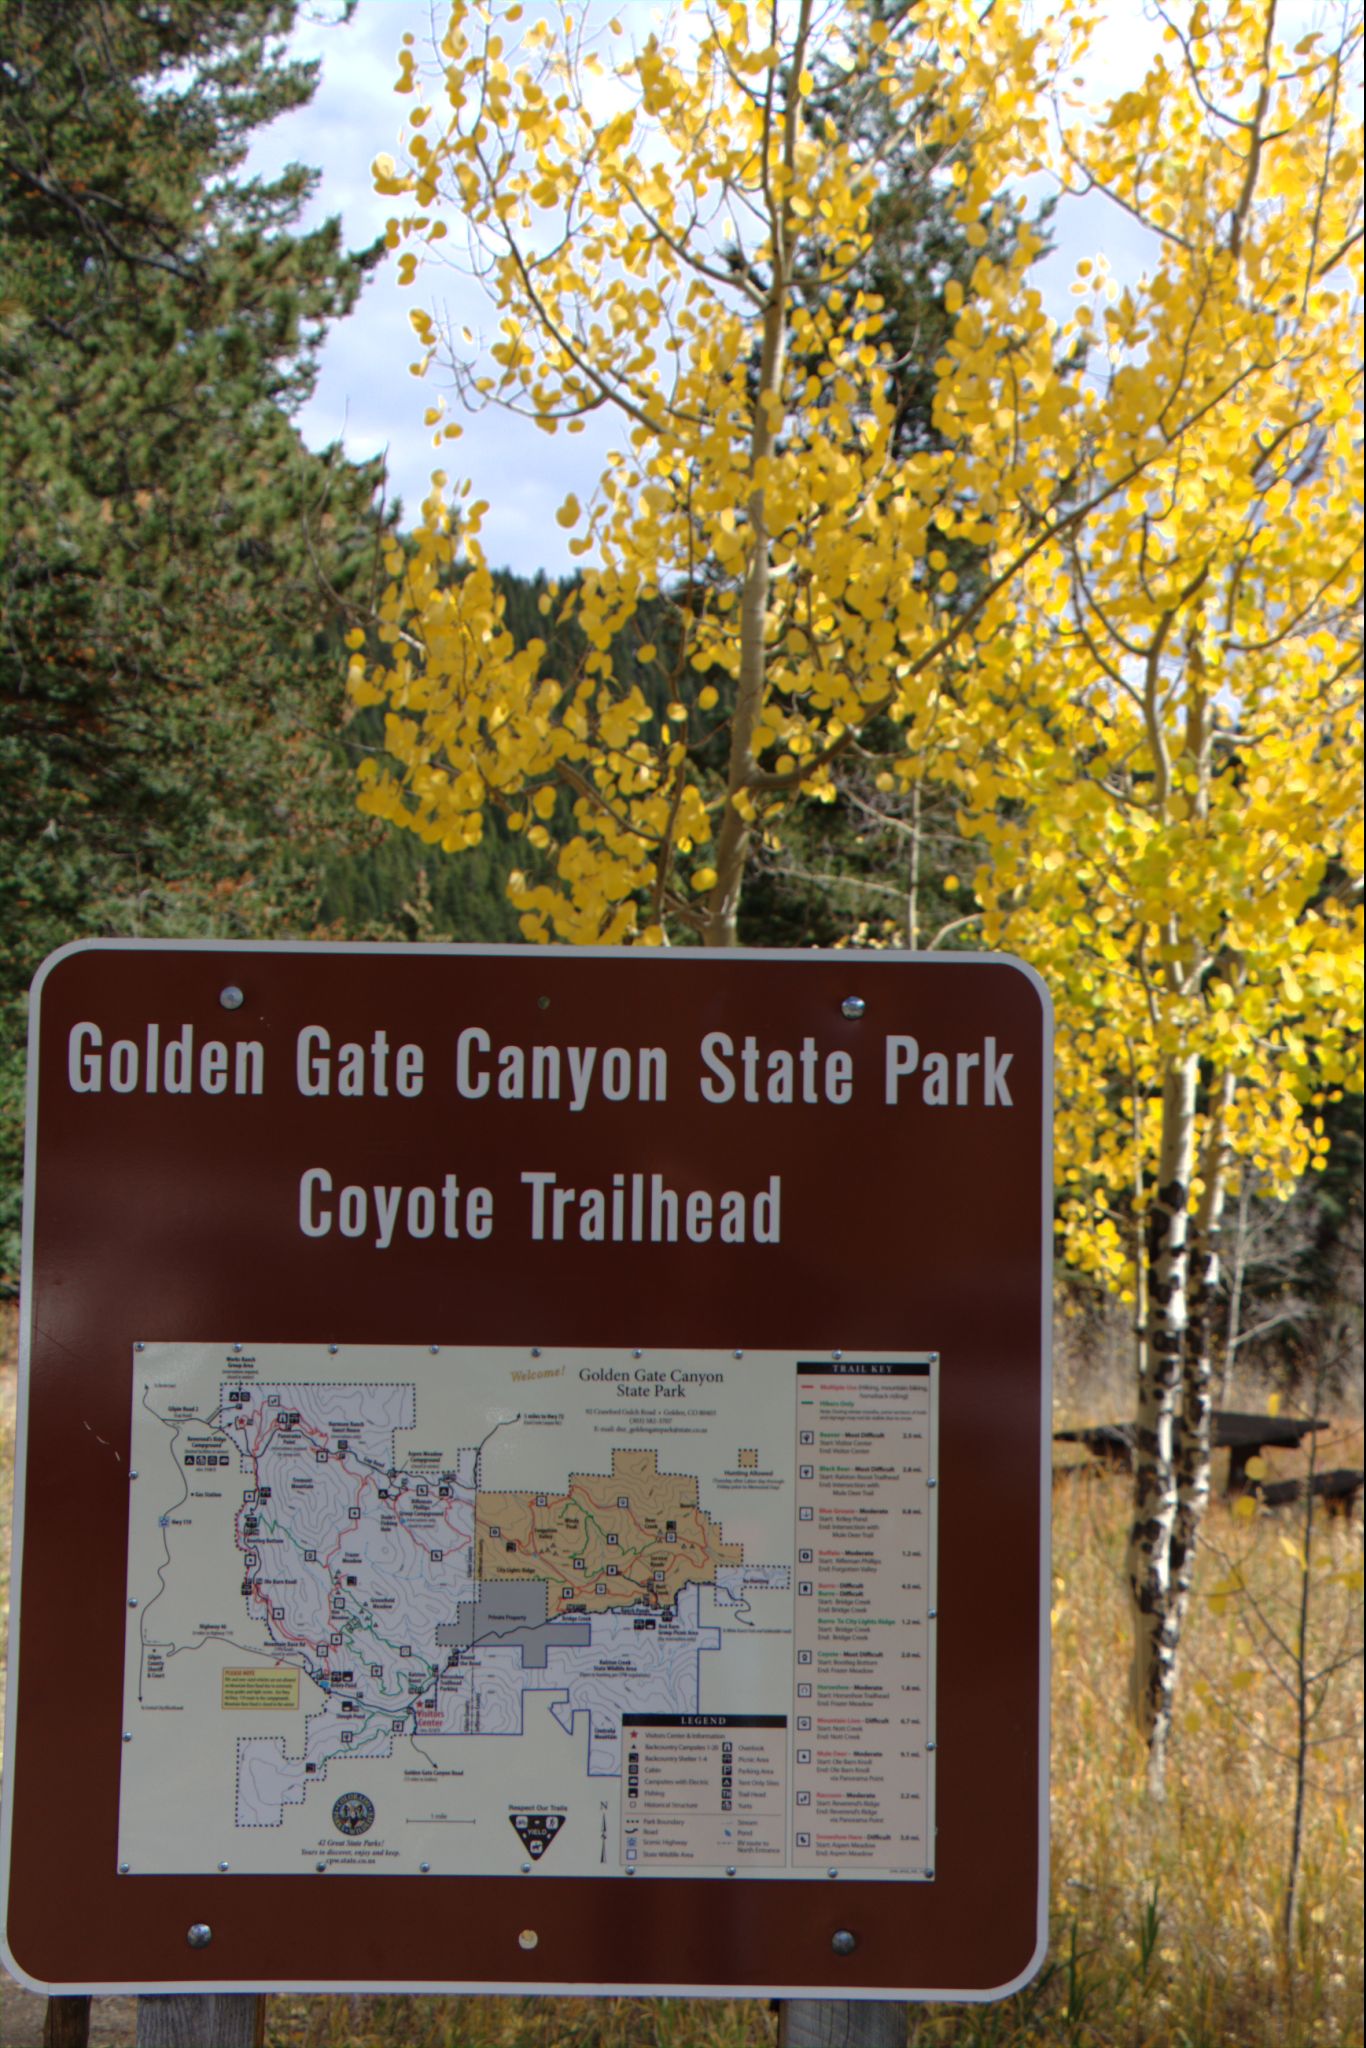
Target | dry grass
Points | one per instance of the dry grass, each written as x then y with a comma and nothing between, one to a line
1166,1919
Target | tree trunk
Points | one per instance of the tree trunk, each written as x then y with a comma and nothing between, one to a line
1233,1330
913,876
1193,1429
1140,1327
1152,1676
733,835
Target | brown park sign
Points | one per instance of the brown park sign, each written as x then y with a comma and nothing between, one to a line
532,1473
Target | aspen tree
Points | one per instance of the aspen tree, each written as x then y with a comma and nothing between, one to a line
674,241
1147,703
1173,831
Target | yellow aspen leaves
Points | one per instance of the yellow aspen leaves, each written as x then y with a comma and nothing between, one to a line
1180,734
685,266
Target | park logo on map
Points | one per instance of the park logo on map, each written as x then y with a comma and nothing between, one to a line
537,1830
353,1814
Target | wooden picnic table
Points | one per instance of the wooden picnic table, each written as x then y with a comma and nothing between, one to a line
1241,1434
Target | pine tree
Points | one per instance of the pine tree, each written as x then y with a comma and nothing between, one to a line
178,568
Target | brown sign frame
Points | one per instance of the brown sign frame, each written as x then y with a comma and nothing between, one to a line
926,1224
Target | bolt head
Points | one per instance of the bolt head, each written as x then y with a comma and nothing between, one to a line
853,1006
320,1867
223,1866
334,1349
127,1734
200,1935
231,997
424,1868
730,1870
131,1601
843,1942
124,1869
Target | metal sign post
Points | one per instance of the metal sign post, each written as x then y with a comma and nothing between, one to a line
532,1474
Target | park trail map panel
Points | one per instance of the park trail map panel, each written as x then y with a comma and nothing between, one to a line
479,1610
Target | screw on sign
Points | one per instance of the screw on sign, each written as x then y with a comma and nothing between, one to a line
542,1439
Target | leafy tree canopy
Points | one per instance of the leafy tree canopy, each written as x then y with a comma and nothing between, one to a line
702,263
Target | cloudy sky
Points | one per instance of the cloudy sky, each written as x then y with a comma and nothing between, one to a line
366,395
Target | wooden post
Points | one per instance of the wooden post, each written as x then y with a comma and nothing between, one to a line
228,2019
66,2023
840,2023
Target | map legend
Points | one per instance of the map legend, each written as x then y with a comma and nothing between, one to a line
704,1791
863,1706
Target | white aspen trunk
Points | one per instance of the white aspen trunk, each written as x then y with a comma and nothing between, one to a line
1193,1426
1233,1332
913,877
733,837
1140,1259
1153,1670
